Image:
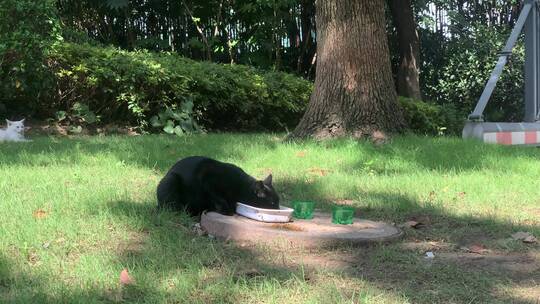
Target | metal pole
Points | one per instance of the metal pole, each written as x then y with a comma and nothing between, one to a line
505,53
532,61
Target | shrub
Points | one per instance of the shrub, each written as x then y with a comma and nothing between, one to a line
29,31
432,119
134,86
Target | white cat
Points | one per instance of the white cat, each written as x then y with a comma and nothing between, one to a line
13,132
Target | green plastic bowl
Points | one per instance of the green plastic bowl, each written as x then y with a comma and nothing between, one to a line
342,215
303,210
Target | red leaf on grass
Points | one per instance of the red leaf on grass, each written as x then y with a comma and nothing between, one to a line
125,279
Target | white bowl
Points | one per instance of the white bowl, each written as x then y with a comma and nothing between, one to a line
281,215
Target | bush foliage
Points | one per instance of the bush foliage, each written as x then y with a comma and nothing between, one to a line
29,32
133,86
432,119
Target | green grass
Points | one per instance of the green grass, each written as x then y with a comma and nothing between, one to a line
75,212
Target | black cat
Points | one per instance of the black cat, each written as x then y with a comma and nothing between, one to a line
199,183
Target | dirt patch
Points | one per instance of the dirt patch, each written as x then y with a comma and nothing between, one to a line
289,227
332,261
515,266
529,294
423,246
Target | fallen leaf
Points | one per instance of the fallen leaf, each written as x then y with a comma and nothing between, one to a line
477,248
125,279
525,237
301,153
378,138
347,202
318,171
39,214
33,258
461,194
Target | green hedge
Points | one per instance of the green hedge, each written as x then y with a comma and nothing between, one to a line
94,84
432,119
133,86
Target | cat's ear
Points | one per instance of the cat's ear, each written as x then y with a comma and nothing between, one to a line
268,180
8,122
22,121
259,189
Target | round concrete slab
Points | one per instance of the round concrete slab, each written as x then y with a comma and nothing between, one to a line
318,232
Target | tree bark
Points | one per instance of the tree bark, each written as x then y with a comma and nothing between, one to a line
408,77
354,91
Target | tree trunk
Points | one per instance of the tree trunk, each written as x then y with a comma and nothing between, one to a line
408,78
306,51
354,91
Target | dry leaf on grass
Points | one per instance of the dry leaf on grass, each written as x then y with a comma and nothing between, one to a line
39,214
125,279
318,171
525,237
347,202
301,153
476,248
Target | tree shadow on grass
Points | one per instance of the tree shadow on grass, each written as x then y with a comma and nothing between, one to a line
402,155
21,285
407,154
170,263
154,152
454,275
166,259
